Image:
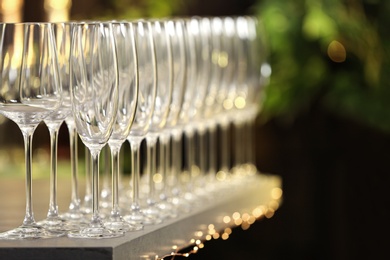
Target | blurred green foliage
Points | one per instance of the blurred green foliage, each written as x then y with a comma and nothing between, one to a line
135,9
300,35
304,76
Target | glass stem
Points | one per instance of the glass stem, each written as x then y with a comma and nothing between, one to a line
212,151
115,211
106,174
75,199
239,141
190,157
151,156
164,163
27,137
202,151
225,147
53,207
88,195
136,174
95,187
176,160
251,154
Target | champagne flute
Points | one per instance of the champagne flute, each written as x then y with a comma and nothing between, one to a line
160,114
30,91
94,94
62,35
128,95
173,130
145,107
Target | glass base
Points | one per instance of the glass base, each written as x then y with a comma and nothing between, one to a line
117,224
139,217
54,224
181,204
32,231
74,216
167,209
95,232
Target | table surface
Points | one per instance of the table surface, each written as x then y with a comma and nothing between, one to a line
241,205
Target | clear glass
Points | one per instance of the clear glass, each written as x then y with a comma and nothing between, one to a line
30,91
147,73
128,96
62,36
163,99
173,130
94,93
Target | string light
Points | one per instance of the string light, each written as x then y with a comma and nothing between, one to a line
244,220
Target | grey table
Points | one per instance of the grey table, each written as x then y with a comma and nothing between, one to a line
215,218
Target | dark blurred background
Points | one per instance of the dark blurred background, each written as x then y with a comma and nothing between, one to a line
324,127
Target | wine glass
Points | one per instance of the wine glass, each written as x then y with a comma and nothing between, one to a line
160,114
30,91
199,31
128,95
94,94
172,129
256,77
145,106
192,95
62,36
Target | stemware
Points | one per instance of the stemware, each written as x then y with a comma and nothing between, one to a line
30,91
256,56
158,121
199,33
172,129
128,95
94,95
62,36
145,106
188,110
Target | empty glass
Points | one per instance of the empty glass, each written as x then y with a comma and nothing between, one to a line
127,101
94,93
30,91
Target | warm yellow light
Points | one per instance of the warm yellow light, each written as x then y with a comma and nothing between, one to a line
245,217
220,176
199,233
257,212
276,193
236,215
245,225
228,231
216,235
201,246
251,219
57,10
211,226
214,56
239,102
273,204
227,104
223,59
198,242
337,52
269,213
174,247
226,219
238,221
157,178
11,10
208,237
225,236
